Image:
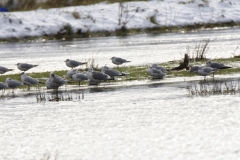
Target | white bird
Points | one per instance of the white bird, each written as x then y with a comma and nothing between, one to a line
155,73
111,72
51,85
29,81
79,77
71,72
25,66
216,65
118,61
163,69
205,71
11,83
72,63
55,79
193,68
95,78
4,70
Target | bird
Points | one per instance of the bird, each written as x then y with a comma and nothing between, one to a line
118,61
29,81
111,72
72,63
155,73
163,69
79,77
11,83
3,86
193,68
4,70
25,66
205,71
216,65
95,77
55,79
184,64
71,72
51,85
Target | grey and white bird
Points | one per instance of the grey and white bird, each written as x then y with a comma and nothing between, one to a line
155,73
216,65
25,66
95,77
163,69
55,79
118,60
193,68
4,70
51,85
3,86
111,72
29,81
79,77
72,63
205,71
12,83
71,72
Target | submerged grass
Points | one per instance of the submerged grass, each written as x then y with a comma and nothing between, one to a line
217,87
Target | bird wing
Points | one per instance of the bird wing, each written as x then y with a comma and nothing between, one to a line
99,76
111,72
30,80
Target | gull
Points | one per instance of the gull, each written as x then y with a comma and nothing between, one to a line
193,68
163,69
155,73
216,65
3,86
72,63
11,83
95,78
25,66
111,72
51,85
29,81
71,72
4,70
55,79
118,61
79,77
205,71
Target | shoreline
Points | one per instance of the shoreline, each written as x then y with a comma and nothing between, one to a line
70,36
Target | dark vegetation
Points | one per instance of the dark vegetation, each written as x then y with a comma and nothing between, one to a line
25,5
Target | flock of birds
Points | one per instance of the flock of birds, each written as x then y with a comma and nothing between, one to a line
95,77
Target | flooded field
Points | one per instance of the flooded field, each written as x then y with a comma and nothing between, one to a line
139,49
126,120
155,121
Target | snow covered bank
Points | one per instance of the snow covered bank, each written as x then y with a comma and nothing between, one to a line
106,17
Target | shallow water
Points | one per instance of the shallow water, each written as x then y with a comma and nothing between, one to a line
155,121
140,49
125,120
